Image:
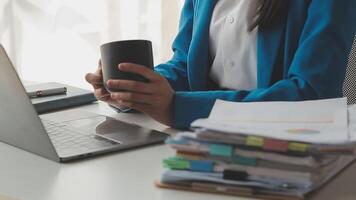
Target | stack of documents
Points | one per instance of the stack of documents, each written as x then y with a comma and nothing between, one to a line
276,150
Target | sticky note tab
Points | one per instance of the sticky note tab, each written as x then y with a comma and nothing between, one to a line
202,165
221,150
299,147
249,161
176,163
254,141
275,145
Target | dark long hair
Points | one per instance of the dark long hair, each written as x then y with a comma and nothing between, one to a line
269,13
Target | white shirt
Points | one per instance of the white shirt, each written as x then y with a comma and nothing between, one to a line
232,47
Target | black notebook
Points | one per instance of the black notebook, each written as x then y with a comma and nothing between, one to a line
74,97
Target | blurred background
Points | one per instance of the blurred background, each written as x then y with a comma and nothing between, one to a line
59,40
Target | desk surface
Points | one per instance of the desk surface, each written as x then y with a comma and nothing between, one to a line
126,175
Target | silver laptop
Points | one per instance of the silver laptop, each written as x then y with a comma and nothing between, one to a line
62,136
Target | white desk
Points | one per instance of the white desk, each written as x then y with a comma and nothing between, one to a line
126,175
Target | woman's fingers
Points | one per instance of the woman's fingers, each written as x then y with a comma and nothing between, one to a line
139,69
133,97
97,77
102,95
99,71
134,86
95,80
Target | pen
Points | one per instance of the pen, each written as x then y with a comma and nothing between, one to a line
47,92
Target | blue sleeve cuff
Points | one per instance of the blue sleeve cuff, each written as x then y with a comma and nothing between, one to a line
190,106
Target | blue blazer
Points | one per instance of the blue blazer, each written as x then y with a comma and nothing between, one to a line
303,58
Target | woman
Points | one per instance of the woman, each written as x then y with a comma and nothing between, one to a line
243,51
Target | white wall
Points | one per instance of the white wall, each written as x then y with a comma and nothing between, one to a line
59,40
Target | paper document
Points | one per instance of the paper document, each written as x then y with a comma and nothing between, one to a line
324,111
320,121
352,122
176,176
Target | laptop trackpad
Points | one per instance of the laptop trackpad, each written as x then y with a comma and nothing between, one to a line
122,132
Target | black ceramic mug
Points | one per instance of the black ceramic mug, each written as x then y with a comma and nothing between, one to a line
128,51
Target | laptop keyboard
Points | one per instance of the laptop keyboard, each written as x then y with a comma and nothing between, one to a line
69,142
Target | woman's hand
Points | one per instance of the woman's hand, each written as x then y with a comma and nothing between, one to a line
154,98
96,80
